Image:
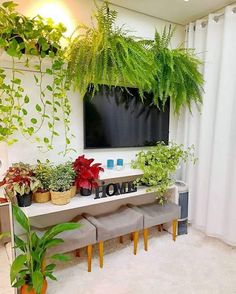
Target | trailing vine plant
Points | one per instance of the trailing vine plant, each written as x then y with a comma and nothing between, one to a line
158,165
37,42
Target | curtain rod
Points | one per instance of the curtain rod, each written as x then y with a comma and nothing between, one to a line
215,18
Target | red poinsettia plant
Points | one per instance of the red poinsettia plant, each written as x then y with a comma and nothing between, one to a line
19,179
86,173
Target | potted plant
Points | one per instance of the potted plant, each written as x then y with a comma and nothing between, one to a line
62,178
42,172
37,43
86,174
29,270
73,188
20,182
158,164
106,54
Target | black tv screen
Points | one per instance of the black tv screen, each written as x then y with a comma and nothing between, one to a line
117,117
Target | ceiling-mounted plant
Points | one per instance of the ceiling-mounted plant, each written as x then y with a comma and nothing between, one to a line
24,38
177,76
105,54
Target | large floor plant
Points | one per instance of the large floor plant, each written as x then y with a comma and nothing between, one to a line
29,270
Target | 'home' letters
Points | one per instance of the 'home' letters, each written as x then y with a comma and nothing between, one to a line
114,189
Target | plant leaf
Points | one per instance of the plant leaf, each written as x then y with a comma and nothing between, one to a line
37,280
21,218
17,266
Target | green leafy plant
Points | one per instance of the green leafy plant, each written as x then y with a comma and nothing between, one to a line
177,76
62,177
158,163
30,267
43,173
35,38
105,54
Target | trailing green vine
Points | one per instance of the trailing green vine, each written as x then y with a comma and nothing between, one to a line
158,164
37,42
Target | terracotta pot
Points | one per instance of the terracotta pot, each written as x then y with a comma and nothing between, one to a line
60,198
24,289
73,191
24,200
41,197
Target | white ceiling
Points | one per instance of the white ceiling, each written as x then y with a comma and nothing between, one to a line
177,11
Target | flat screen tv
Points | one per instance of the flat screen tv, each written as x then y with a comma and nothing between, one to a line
117,117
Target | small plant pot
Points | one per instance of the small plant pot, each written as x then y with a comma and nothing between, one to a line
60,198
24,289
24,200
41,197
85,192
73,191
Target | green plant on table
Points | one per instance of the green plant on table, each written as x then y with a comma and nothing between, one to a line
62,177
43,173
158,163
19,180
33,40
30,267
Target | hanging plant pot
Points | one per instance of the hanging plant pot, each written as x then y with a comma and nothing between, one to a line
42,197
85,192
60,198
25,289
24,200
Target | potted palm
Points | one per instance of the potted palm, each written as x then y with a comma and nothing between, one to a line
43,173
87,174
62,178
29,270
20,182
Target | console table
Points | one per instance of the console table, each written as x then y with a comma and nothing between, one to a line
45,214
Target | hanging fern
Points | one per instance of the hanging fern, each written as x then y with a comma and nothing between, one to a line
178,76
106,55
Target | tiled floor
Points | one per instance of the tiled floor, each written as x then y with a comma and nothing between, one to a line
194,264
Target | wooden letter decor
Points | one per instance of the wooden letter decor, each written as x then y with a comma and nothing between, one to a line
114,189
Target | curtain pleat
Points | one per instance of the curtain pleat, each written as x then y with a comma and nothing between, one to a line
213,130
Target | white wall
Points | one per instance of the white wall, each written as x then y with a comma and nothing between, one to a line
80,10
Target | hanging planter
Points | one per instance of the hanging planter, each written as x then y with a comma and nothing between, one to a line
177,76
22,38
105,54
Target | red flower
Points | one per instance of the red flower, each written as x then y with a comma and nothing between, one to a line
86,174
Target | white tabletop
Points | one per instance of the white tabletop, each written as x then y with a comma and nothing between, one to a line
38,209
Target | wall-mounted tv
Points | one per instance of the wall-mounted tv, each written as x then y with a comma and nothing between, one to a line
117,117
